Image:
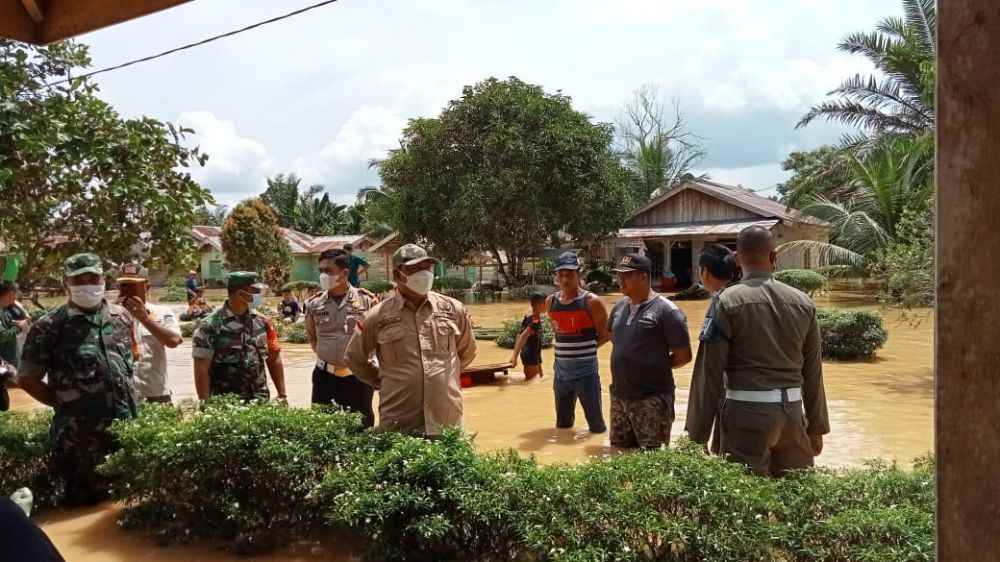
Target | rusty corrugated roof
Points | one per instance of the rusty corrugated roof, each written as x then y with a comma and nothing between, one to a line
693,230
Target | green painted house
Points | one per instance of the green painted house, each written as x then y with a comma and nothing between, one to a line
305,252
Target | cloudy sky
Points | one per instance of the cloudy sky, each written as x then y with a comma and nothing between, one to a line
322,93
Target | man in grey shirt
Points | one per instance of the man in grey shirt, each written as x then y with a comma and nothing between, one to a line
650,340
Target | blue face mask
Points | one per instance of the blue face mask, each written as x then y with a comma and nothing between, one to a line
258,299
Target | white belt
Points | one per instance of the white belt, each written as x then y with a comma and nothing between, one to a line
767,396
336,370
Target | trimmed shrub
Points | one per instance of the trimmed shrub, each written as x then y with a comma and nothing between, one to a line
430,500
26,456
508,333
295,333
174,294
379,288
452,283
242,473
299,288
879,512
851,334
261,474
187,328
805,280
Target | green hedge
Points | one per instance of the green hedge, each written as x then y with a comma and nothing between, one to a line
174,294
851,334
508,333
261,475
187,328
380,288
25,456
805,280
452,284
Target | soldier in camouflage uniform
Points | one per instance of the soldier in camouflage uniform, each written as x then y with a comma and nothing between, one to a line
232,346
85,348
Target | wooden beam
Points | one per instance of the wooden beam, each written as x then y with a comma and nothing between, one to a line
41,22
34,10
15,23
967,357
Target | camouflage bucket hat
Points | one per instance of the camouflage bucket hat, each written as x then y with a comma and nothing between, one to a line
411,254
244,279
79,264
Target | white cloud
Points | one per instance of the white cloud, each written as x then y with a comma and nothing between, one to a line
237,166
367,134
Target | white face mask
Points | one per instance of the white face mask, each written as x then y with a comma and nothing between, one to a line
420,282
327,281
86,296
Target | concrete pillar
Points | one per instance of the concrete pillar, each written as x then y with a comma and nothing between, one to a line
967,354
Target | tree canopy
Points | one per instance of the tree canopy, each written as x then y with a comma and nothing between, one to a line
505,168
78,177
253,241
303,209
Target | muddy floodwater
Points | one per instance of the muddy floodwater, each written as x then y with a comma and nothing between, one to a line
881,407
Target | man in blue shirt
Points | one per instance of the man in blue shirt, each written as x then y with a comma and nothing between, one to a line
191,284
358,266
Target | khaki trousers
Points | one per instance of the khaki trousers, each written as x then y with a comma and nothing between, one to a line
770,439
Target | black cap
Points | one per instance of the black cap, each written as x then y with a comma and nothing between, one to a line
634,262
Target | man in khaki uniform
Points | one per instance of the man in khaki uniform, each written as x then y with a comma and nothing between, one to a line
422,340
331,317
769,349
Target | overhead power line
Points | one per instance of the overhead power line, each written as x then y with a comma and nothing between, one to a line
196,44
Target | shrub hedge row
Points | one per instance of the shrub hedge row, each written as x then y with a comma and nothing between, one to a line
260,475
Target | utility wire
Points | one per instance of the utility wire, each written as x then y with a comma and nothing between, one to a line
197,44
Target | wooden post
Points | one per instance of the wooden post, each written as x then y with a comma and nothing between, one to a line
696,246
967,350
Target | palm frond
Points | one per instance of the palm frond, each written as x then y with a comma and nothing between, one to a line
921,17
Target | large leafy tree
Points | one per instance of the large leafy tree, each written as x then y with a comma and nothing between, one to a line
76,176
505,168
307,210
253,241
657,150
899,100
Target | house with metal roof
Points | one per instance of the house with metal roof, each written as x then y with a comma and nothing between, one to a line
305,251
672,229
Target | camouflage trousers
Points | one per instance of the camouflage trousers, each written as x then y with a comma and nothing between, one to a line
77,454
642,423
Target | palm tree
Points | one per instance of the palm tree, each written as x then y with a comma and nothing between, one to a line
892,181
900,100
317,216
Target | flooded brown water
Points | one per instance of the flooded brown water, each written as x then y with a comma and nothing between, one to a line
882,407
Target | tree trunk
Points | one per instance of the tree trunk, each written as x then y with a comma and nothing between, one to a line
500,267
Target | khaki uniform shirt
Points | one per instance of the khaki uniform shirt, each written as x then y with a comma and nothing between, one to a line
768,339
330,325
421,352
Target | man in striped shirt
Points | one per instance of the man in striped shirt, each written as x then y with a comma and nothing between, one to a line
580,320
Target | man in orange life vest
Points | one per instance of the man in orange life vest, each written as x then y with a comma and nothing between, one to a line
580,320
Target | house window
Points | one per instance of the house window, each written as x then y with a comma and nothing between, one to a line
807,259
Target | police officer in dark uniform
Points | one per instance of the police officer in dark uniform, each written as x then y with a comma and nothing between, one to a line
766,362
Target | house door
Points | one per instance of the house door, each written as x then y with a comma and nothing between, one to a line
680,264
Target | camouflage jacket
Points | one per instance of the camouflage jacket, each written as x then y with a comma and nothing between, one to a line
238,347
89,363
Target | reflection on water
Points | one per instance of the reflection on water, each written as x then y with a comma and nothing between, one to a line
878,408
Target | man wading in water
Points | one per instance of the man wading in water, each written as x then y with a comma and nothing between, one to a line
580,320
